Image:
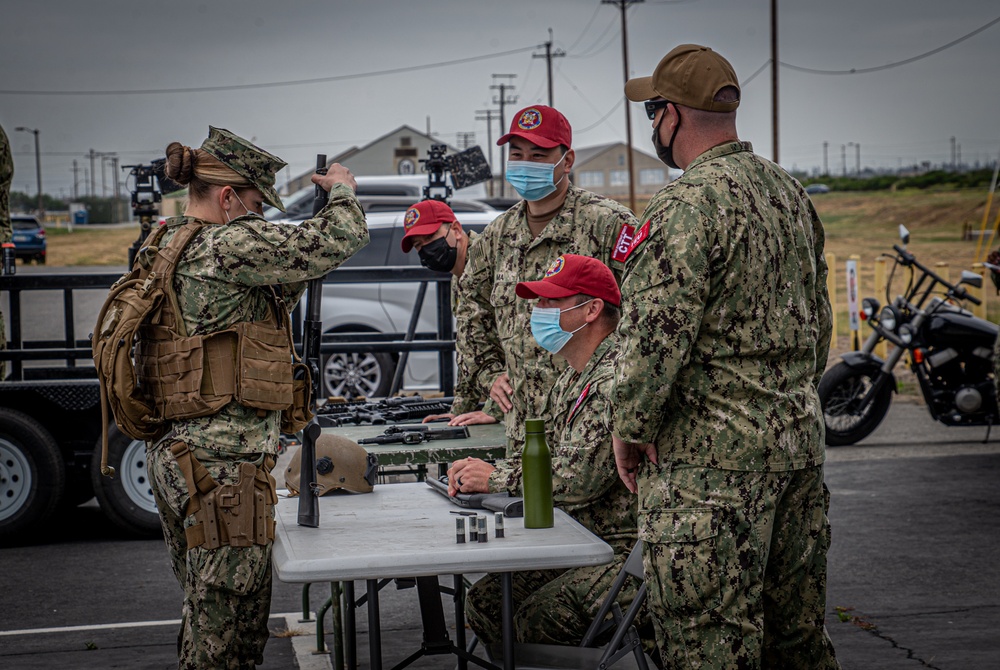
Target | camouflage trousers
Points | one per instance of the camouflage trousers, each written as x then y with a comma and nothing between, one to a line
550,606
735,563
227,591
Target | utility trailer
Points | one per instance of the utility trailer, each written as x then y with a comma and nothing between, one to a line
50,415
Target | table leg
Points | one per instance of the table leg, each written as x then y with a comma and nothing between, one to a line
374,629
460,619
507,614
337,621
350,628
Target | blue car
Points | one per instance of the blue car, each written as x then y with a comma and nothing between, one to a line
29,239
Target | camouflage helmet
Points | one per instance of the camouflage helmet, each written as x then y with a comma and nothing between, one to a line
247,160
340,464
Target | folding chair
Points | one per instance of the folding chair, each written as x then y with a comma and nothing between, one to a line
624,642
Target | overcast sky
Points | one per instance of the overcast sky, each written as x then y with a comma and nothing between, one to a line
108,48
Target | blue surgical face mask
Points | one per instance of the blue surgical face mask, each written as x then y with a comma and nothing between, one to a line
546,329
533,181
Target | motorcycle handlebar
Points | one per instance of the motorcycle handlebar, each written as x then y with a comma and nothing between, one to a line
964,295
956,290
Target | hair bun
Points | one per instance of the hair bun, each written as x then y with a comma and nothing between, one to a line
180,163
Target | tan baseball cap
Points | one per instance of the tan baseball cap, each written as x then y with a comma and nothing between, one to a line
689,75
247,160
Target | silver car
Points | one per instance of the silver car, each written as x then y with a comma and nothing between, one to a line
380,307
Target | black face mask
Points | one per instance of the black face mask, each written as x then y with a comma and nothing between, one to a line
438,255
666,154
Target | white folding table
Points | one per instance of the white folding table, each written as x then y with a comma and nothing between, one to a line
407,531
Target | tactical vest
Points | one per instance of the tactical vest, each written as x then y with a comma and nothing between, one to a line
190,376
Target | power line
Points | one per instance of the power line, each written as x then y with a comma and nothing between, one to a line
585,28
887,66
602,119
589,51
759,70
277,84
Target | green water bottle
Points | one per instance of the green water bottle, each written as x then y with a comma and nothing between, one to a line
536,475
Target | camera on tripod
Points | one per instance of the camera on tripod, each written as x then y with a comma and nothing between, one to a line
465,168
149,184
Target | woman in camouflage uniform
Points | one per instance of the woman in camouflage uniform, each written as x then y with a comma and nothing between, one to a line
224,277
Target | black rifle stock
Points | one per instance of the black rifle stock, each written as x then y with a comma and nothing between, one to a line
312,334
416,435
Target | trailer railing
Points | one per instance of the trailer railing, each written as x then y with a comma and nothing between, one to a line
75,346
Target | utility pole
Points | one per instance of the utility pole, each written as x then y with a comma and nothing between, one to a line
104,181
774,80
115,181
548,56
843,160
93,187
490,114
623,5
38,169
826,169
464,140
76,193
502,99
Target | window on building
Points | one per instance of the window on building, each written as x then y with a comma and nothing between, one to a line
590,179
619,178
649,176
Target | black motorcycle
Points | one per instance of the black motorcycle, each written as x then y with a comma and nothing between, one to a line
950,352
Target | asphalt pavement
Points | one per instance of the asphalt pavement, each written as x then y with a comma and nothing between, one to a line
913,572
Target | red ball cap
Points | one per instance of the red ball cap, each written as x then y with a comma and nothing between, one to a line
424,218
540,125
572,275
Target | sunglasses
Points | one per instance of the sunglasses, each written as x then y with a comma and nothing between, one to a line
653,105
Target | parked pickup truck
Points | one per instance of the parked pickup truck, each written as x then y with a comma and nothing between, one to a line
50,418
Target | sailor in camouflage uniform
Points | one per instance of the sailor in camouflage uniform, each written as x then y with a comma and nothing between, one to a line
429,225
557,606
223,277
493,337
717,421
6,177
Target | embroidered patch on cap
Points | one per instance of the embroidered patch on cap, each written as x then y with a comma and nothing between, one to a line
556,267
530,119
411,217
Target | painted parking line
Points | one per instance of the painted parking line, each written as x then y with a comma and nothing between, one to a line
303,645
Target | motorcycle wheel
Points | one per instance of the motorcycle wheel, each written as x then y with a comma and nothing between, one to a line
841,391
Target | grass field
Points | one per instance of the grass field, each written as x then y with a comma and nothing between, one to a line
865,224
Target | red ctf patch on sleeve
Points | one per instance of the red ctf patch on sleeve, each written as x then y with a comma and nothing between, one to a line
638,239
624,243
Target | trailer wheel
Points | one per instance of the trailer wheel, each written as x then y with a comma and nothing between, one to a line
127,498
32,473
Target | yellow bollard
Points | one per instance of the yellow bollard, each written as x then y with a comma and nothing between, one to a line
881,349
831,288
942,271
980,309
